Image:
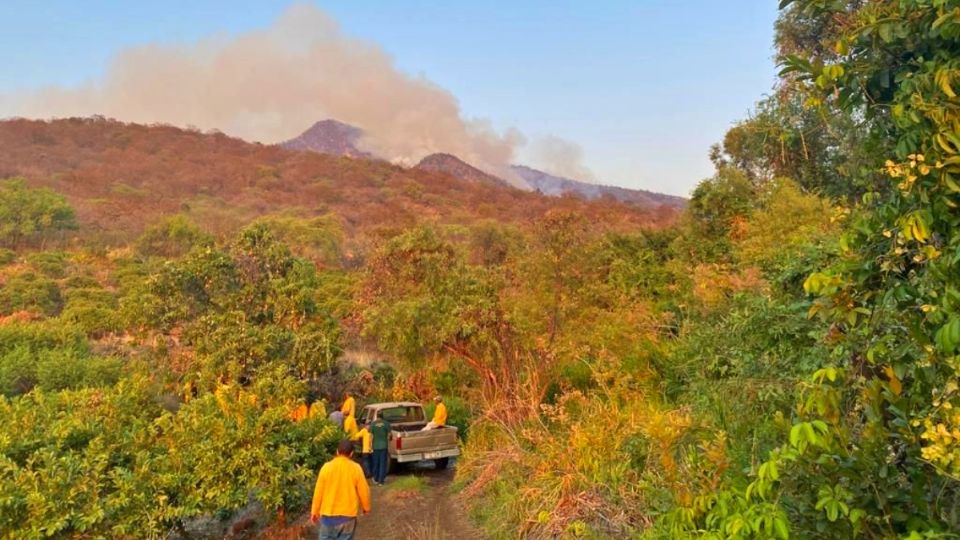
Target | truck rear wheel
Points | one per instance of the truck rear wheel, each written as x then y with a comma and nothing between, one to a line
442,463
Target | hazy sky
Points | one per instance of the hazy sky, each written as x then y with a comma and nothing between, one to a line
643,86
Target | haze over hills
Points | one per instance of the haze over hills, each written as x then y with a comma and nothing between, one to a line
340,139
456,167
555,186
122,177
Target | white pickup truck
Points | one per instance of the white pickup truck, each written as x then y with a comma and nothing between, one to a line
408,443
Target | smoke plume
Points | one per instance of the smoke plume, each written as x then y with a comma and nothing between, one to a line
270,85
560,157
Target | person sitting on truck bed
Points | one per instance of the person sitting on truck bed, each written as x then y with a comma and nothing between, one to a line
439,415
341,492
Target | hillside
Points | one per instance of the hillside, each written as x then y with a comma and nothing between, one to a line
121,177
555,186
339,139
329,137
457,168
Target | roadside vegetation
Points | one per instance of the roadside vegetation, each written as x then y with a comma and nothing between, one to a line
781,360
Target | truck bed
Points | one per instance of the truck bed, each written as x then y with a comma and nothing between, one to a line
408,443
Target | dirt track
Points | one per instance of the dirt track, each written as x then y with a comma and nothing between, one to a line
428,514
431,514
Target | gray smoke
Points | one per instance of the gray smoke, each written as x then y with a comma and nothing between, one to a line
270,85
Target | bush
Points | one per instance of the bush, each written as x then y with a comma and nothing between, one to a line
30,215
29,292
92,310
172,237
73,454
7,256
52,264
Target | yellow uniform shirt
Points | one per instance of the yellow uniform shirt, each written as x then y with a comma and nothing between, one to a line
341,489
350,426
317,408
366,438
299,413
440,415
349,405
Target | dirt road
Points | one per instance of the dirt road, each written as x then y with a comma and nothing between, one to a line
416,504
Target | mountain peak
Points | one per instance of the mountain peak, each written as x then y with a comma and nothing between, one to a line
457,168
328,137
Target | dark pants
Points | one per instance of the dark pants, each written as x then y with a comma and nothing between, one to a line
367,460
344,531
380,465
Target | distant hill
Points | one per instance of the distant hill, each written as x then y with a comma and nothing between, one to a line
339,139
122,177
329,137
556,186
457,168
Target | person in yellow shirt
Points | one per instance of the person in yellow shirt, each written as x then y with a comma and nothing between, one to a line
439,415
366,450
299,412
317,408
340,494
350,425
349,405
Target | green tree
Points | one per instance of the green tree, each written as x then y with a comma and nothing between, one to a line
30,215
872,452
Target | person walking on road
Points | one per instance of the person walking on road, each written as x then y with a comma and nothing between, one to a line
340,494
380,437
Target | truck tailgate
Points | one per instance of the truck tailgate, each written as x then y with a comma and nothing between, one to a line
431,444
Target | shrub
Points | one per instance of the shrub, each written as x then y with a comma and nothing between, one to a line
29,292
172,237
52,264
30,215
7,256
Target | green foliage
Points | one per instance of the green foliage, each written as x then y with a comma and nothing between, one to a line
93,310
27,291
7,256
784,138
173,237
241,309
29,216
52,264
112,463
787,224
426,296
717,205
49,356
318,239
870,450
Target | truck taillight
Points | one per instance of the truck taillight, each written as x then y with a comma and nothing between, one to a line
399,443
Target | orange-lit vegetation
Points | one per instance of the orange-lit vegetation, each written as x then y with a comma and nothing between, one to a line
781,361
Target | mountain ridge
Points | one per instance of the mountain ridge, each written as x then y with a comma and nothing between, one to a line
122,177
337,138
556,186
